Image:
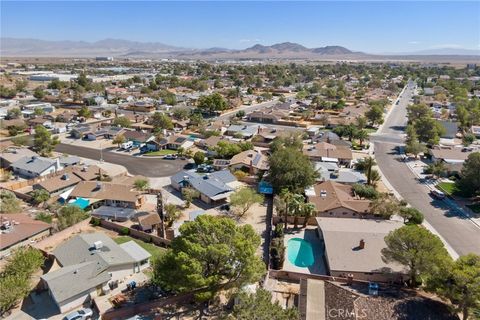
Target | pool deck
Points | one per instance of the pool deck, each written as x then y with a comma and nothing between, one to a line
309,234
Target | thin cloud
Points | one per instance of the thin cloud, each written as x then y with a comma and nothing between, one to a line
414,42
249,40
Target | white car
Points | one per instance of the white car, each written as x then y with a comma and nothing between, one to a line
81,314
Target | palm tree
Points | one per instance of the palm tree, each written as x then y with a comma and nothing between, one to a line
296,207
368,163
287,198
308,210
361,135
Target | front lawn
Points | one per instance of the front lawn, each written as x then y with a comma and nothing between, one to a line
448,188
160,152
154,250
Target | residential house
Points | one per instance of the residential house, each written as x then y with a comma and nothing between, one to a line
354,247
173,142
57,184
12,154
18,230
251,161
46,107
42,121
114,213
450,154
138,137
325,300
328,152
333,199
111,132
88,262
69,161
244,131
270,115
107,193
34,166
331,171
214,188
79,131
451,129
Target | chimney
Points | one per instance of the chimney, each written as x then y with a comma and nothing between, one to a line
57,163
361,245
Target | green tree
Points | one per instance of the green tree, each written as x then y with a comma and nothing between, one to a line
412,144
375,115
119,139
189,194
141,184
172,213
259,306
243,199
43,142
366,165
417,249
468,139
14,113
15,281
44,216
361,135
438,169
291,169
20,141
209,254
460,283
385,206
199,157
38,112
69,215
39,93
40,196
84,112
123,122
161,121
411,215
212,103
9,202
21,85
469,182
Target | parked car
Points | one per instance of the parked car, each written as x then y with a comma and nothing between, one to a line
437,194
81,314
170,157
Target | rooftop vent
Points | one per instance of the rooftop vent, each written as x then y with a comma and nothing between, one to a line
323,193
65,177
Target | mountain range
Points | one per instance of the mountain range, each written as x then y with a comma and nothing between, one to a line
15,47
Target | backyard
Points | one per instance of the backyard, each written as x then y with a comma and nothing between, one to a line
154,250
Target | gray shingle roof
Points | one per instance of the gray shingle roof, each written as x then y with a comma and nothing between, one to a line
209,185
33,164
69,281
79,249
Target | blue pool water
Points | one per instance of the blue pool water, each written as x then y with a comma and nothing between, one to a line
81,203
300,252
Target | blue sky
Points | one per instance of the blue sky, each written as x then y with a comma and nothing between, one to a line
376,27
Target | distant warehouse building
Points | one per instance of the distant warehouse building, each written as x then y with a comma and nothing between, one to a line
104,58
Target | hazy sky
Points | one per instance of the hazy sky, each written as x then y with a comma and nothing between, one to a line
376,27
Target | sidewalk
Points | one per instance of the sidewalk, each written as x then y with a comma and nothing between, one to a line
417,166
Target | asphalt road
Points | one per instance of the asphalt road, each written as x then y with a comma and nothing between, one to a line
148,167
459,232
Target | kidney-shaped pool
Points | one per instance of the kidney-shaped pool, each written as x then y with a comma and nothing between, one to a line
300,252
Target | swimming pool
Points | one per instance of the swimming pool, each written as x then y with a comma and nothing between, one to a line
300,252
